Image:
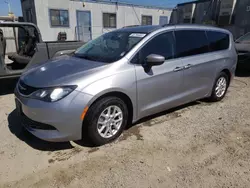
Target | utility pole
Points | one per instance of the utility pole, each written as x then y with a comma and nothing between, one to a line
8,2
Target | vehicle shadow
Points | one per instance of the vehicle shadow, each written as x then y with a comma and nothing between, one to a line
146,120
38,144
7,86
132,128
34,142
243,71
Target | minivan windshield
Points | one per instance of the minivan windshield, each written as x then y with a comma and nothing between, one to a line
109,47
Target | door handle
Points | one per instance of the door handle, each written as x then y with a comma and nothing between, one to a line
187,66
177,69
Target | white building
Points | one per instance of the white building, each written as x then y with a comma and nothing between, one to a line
226,11
88,19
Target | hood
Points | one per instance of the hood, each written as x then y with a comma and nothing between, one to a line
60,71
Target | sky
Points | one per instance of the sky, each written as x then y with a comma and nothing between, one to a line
16,4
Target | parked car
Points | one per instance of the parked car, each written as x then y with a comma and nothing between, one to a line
243,48
123,76
30,49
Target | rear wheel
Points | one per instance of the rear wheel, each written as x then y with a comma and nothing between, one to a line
106,120
220,87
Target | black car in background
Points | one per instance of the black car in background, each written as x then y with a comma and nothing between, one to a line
242,45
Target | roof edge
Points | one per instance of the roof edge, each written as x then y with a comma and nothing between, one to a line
193,2
120,3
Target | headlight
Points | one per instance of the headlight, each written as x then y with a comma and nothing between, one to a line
53,94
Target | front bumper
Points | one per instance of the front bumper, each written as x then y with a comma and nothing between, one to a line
57,121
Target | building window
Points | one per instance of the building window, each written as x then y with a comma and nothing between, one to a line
146,20
109,20
59,18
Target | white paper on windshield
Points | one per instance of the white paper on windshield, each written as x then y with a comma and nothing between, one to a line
139,35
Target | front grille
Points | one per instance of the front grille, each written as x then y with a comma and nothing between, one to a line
29,123
24,89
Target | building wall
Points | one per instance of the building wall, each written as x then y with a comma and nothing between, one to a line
233,15
201,12
28,7
242,17
226,10
174,16
185,13
126,15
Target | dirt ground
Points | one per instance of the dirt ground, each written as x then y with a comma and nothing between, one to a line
197,145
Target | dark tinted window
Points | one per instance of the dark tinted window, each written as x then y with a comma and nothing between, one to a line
191,42
162,44
218,40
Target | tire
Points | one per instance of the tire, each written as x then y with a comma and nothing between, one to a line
217,96
98,113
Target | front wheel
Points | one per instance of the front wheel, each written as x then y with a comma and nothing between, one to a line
220,87
106,120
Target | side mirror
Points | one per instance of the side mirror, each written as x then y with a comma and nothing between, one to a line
154,60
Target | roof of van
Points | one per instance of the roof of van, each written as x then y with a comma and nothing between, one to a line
151,28
200,26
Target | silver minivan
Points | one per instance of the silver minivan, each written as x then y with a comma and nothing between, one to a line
123,76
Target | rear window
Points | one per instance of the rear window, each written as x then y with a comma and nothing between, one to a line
191,42
217,40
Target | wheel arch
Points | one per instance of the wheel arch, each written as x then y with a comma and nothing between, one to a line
123,96
228,73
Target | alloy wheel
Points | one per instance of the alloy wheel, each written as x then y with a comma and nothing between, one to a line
110,121
221,87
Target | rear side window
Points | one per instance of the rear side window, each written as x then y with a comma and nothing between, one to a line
162,44
191,42
217,40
